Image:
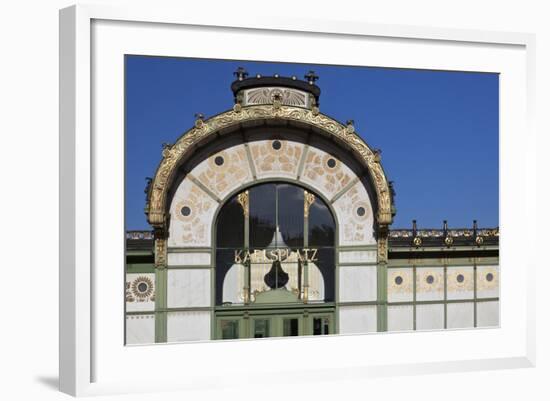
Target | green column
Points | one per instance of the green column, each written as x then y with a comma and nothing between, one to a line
161,261
382,282
161,274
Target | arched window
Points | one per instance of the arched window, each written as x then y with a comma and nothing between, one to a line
275,236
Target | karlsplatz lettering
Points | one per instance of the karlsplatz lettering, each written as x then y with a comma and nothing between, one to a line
272,255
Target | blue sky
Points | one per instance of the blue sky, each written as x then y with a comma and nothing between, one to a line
438,130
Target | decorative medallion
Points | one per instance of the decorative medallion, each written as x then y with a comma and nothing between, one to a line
142,288
487,278
219,162
361,211
330,164
400,282
460,280
186,210
428,280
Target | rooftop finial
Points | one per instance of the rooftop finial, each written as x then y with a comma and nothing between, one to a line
311,77
241,73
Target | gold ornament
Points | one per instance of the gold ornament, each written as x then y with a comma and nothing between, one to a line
173,156
243,200
309,198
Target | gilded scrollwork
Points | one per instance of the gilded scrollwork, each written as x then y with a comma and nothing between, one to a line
243,200
382,250
309,198
174,154
160,253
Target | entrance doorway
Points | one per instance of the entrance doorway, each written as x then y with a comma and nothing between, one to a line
283,324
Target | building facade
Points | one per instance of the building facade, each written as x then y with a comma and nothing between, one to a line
273,219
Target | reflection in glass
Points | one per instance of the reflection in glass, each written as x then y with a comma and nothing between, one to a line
321,225
290,327
320,326
262,214
276,223
230,329
261,328
230,225
290,216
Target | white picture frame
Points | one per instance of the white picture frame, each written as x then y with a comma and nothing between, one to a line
91,40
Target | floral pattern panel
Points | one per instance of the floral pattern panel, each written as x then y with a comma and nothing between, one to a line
191,214
355,217
224,171
324,171
276,158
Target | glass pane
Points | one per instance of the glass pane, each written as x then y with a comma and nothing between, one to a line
290,204
320,326
290,327
225,259
262,215
230,329
325,263
321,225
261,328
230,225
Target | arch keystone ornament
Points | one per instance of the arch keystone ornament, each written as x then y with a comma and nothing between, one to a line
174,155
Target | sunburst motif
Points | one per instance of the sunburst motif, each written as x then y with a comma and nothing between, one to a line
287,97
142,287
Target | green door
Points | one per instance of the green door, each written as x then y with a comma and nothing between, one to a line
276,326
263,325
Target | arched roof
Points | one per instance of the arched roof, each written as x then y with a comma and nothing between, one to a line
174,155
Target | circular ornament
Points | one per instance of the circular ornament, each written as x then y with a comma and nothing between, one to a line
142,287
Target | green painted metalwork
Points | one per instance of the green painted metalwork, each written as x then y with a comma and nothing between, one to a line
161,325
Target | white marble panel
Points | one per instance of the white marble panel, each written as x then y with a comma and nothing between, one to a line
140,329
355,217
188,288
224,171
460,282
400,317
430,317
357,319
188,258
357,283
488,278
191,216
460,315
366,256
188,326
140,292
400,284
325,172
488,314
430,284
